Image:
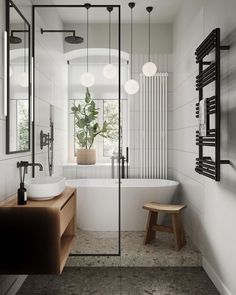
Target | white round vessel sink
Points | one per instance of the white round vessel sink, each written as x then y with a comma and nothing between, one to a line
45,187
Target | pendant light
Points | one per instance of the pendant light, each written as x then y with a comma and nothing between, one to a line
87,79
131,86
109,70
149,68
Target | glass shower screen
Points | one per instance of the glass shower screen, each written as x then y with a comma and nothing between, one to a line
84,48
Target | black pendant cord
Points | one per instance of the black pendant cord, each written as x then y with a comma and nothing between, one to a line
87,38
131,5
109,9
149,36
149,10
109,37
131,45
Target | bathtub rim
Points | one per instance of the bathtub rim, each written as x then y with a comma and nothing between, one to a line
113,183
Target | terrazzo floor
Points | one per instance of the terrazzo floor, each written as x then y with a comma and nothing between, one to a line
123,281
160,253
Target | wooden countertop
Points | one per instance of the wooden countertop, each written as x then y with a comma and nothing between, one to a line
56,202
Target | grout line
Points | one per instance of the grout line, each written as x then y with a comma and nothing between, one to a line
184,151
28,154
192,74
181,128
183,105
187,176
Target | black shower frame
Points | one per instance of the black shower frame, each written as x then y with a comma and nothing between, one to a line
34,7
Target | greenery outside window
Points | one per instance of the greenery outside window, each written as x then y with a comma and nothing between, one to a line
108,111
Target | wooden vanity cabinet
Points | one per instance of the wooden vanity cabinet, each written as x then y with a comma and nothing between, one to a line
36,238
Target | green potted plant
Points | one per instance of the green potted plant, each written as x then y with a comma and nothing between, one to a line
88,129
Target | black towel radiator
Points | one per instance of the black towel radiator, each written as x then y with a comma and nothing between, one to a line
209,72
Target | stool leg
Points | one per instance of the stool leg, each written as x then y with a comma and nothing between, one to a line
150,233
183,239
177,228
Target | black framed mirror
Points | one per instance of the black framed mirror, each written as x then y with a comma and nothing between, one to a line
17,110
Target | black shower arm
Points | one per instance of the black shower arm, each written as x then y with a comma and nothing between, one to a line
19,31
57,31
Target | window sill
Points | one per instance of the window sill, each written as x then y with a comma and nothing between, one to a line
85,166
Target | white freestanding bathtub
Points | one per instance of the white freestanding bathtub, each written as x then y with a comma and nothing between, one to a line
98,202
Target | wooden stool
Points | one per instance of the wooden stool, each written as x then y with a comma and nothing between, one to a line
176,228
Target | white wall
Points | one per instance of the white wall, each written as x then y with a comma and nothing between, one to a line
51,88
161,37
210,218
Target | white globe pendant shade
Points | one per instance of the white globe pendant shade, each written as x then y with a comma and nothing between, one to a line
131,87
149,69
87,79
23,80
109,71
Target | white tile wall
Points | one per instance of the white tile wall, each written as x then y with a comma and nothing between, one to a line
51,88
210,216
73,171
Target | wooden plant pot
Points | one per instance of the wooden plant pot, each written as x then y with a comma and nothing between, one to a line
86,156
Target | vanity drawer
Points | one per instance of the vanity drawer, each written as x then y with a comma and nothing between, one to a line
67,213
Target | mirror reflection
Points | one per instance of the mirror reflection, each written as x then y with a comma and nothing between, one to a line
18,122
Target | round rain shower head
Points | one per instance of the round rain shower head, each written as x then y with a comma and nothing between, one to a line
15,40
74,39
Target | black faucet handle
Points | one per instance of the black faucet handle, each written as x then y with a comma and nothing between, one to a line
22,164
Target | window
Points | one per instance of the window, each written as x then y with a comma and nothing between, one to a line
108,111
105,95
19,127
111,115
22,125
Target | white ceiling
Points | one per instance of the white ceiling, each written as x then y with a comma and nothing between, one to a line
164,11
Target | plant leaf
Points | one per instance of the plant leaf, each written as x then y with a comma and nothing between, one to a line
81,123
87,96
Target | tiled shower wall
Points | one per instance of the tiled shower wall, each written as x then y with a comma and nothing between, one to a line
210,217
51,88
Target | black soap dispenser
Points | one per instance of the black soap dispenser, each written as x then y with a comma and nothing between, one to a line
22,194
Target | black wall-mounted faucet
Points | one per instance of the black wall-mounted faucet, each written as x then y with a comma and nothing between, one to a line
26,164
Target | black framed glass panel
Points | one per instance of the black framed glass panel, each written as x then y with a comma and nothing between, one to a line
94,115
